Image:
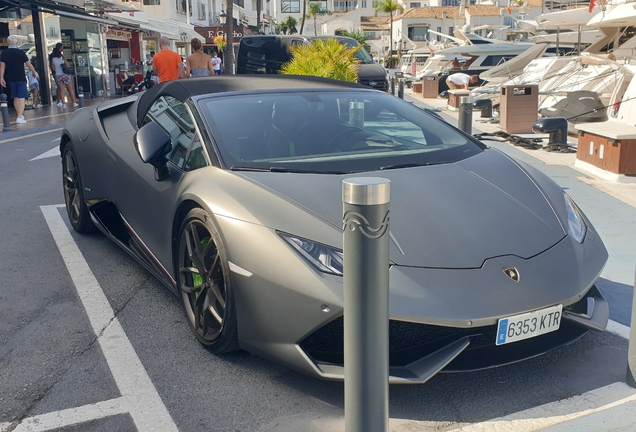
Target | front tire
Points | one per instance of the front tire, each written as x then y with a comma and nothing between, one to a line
205,284
76,207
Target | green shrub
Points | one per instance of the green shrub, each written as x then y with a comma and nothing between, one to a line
326,58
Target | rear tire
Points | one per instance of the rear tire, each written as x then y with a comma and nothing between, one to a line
76,207
205,283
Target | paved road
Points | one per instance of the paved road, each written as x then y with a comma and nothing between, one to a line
55,368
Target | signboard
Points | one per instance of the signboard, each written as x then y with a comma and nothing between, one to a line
209,33
119,34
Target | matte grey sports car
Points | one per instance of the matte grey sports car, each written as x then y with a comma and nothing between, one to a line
229,190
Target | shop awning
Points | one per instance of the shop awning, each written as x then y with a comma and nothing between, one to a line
165,29
133,24
186,34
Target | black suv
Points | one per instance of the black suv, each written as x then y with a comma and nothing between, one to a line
266,55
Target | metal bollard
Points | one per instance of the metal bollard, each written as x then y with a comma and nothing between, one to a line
356,114
631,348
393,86
80,96
401,89
5,113
366,303
485,106
465,118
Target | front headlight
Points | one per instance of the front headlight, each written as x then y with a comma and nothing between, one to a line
324,258
576,225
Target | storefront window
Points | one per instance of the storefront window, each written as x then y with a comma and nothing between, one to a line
81,41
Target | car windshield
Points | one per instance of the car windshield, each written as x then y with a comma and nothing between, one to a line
329,132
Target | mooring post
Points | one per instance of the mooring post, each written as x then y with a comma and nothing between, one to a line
366,303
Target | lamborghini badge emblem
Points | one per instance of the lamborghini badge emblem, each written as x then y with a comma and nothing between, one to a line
512,273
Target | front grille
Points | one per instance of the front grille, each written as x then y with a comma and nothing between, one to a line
409,342
380,84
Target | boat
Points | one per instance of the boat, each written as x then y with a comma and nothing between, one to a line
475,54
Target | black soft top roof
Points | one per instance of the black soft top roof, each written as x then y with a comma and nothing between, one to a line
185,89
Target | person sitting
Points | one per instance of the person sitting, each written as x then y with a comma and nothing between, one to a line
456,64
127,82
149,81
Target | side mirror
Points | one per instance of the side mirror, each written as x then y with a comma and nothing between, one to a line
153,144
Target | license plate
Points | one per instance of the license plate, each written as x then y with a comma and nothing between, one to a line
528,325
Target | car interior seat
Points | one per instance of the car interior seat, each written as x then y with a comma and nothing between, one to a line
281,135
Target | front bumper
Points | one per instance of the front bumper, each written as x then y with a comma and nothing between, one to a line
419,351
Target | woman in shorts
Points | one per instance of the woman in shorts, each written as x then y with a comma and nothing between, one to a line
34,85
62,79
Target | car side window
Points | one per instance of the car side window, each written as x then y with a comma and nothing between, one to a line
196,158
175,119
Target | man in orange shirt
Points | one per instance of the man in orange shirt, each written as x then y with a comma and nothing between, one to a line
166,63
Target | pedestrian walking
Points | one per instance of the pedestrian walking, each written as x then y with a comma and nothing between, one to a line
216,63
166,63
34,85
12,61
461,81
198,64
63,80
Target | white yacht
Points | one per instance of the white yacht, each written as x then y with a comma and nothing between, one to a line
581,87
475,54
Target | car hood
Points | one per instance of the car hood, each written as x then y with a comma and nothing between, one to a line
368,71
444,216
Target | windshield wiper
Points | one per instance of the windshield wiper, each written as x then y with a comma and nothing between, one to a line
301,171
283,170
242,168
410,165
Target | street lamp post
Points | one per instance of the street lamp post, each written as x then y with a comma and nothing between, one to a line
223,20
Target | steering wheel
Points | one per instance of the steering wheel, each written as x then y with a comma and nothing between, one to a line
338,142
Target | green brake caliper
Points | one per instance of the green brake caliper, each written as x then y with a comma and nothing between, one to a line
197,279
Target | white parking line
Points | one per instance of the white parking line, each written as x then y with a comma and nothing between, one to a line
618,328
69,417
139,397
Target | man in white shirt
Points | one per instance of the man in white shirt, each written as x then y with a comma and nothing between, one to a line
216,62
461,81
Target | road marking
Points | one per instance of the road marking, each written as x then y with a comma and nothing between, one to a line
56,139
618,328
557,412
138,395
69,417
55,151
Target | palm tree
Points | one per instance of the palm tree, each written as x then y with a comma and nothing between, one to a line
228,55
288,26
259,8
358,35
316,9
388,6
302,20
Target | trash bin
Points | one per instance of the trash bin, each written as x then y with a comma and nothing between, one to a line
429,87
518,108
